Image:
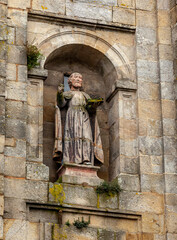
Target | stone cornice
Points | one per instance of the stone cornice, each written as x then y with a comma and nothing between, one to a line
55,19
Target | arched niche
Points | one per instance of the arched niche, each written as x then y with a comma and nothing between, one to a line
101,66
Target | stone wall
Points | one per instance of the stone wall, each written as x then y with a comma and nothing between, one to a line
127,51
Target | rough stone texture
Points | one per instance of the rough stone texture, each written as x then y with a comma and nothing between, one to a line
16,91
36,190
1,184
124,16
37,171
14,167
1,228
129,182
1,205
14,229
15,188
141,202
14,208
18,151
90,11
49,6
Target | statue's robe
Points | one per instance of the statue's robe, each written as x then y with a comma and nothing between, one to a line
80,143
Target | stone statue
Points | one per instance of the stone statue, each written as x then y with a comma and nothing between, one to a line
77,145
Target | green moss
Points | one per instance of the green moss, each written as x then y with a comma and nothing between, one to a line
33,56
108,188
81,224
58,193
67,223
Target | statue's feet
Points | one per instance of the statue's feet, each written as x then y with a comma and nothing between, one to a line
86,162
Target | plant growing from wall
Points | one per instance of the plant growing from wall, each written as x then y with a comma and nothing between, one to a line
33,56
81,224
108,188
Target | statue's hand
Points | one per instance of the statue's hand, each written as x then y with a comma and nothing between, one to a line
61,88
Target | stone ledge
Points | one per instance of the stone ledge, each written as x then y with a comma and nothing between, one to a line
121,84
38,73
79,174
55,19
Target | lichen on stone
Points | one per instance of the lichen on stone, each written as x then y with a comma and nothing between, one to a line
58,193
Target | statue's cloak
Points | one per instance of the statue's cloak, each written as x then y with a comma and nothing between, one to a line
81,140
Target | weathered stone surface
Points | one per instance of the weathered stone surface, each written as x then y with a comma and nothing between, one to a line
89,11
170,144
147,71
149,109
124,16
2,142
2,68
149,219
171,236
171,202
169,127
108,202
11,35
126,3
17,18
11,71
170,163
77,195
152,183
129,182
18,4
99,2
15,128
147,52
1,184
14,187
22,73
14,229
128,148
14,167
36,190
17,54
2,86
151,164
150,146
166,71
171,183
78,180
16,91
164,35
14,208
1,163
141,202
165,52
146,5
18,151
148,91
49,6
166,5
168,109
1,228
146,35
129,165
1,205
21,36
37,171
15,109
145,19
171,222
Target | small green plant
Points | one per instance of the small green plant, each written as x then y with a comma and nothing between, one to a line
33,56
81,224
109,188
67,223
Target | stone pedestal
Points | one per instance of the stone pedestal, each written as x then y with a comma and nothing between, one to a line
79,174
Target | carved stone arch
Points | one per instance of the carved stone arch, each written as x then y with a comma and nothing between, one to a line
112,52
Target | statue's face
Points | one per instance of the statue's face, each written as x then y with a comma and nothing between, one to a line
77,80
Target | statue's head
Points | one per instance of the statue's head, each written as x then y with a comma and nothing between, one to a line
75,81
